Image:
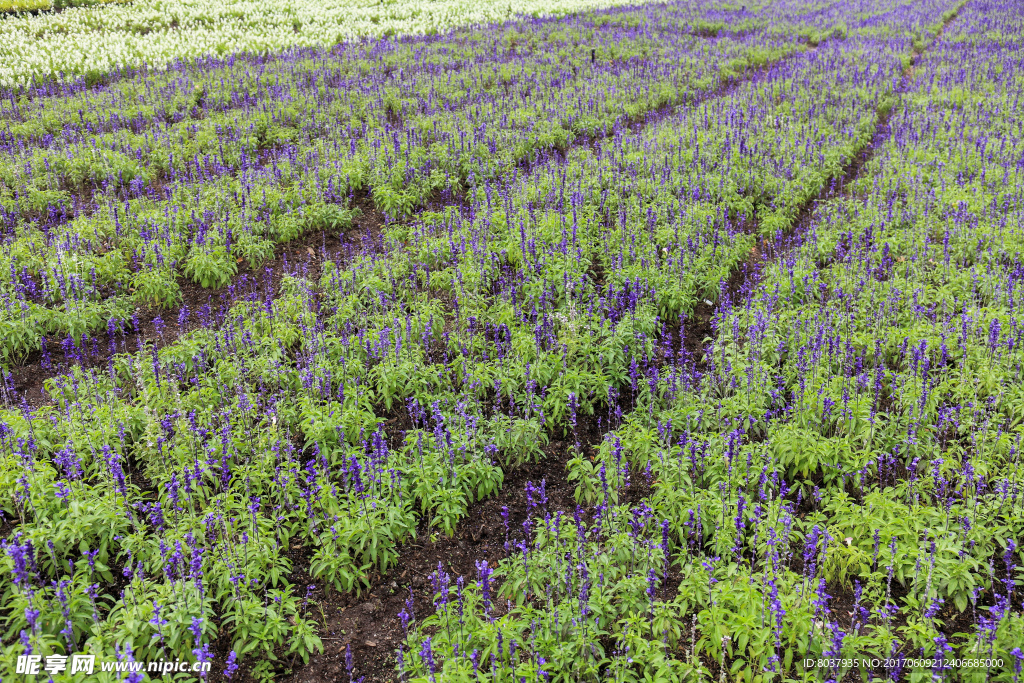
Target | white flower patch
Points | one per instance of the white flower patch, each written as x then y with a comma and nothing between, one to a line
156,32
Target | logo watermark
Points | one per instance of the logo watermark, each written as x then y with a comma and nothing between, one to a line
32,665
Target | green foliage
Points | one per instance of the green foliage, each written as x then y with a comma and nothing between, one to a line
210,268
156,287
840,420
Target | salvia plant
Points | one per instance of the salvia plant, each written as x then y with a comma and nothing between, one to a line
768,254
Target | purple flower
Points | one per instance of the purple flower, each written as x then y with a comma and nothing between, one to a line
484,573
1018,663
231,667
427,655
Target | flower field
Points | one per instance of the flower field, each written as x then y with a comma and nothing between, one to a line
668,342
92,37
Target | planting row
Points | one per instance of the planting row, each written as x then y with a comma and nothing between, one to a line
88,44
110,197
104,212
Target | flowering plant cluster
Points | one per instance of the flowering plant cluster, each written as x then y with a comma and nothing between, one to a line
110,196
91,38
769,255
16,6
